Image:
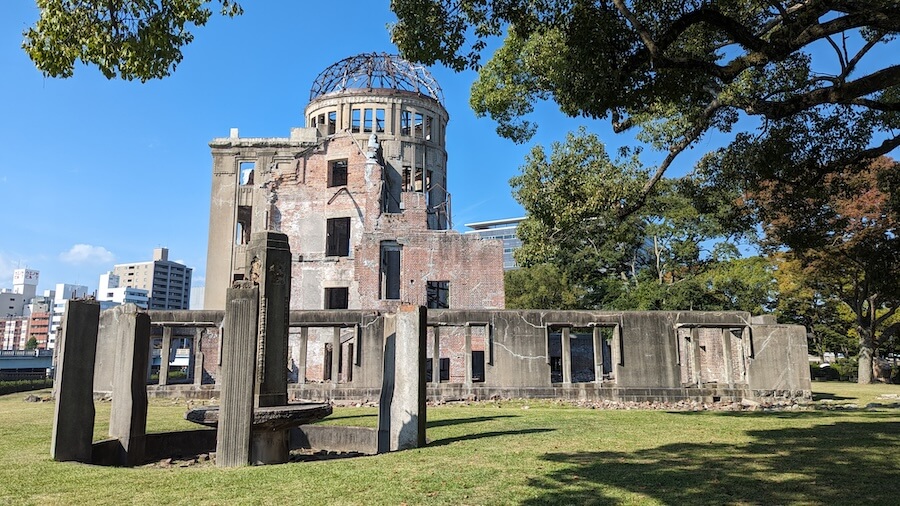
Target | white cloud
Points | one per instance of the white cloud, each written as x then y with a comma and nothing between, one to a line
7,265
87,254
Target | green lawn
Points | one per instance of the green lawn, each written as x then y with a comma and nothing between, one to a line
502,453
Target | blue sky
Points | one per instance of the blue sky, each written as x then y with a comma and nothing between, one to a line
96,172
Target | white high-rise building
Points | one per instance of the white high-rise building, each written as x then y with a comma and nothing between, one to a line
168,283
63,292
110,293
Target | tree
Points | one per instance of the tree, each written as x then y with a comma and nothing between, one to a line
673,70
678,252
842,225
542,286
31,344
131,39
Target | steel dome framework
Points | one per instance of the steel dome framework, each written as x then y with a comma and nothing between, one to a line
376,71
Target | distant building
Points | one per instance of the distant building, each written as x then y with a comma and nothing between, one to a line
111,293
13,332
167,283
11,304
25,282
39,328
63,292
500,229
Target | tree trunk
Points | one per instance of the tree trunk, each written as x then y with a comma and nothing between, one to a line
866,350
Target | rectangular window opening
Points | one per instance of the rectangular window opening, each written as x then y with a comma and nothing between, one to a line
429,121
420,126
332,122
337,239
367,120
379,120
354,120
337,298
405,122
337,173
243,225
390,270
438,294
246,172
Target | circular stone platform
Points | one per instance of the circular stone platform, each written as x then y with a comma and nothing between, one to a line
268,418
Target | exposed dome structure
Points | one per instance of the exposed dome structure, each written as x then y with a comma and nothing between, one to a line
370,71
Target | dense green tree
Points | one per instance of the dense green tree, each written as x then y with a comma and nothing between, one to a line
673,70
31,344
541,286
678,252
130,39
841,225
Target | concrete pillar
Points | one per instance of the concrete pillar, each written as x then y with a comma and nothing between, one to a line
335,355
164,356
237,376
436,356
726,357
197,358
468,352
695,356
269,260
401,411
598,355
128,413
301,358
566,356
73,416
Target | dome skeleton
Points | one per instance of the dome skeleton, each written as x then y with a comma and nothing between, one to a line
376,71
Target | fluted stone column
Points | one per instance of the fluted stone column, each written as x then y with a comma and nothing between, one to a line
237,376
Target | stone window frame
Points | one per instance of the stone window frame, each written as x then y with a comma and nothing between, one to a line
337,236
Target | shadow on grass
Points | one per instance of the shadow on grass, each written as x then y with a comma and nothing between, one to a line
845,462
458,421
796,415
822,396
350,417
482,435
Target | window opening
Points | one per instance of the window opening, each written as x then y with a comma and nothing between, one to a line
242,228
405,122
379,120
390,270
367,120
354,120
438,294
337,239
337,173
581,348
407,174
246,172
332,122
337,298
418,185
419,124
429,121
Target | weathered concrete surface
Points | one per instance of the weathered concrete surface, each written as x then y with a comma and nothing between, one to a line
73,416
335,439
780,364
270,418
238,377
128,414
401,411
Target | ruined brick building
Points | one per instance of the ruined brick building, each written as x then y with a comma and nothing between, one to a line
361,192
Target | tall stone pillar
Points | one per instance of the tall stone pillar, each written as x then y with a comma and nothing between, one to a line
401,411
301,355
164,356
436,357
566,356
128,413
73,416
269,260
468,352
237,376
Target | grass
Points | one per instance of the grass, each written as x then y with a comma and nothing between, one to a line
502,453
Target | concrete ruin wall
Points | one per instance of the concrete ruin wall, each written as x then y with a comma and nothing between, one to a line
642,355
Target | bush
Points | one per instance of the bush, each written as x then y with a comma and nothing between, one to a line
847,368
827,373
11,387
